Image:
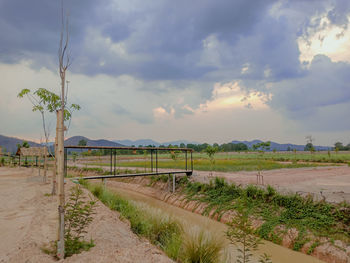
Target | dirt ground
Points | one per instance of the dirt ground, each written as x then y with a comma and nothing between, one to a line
331,183
28,221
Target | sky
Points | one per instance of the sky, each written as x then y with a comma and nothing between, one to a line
200,70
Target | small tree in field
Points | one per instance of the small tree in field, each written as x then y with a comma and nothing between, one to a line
241,234
63,64
45,102
309,144
265,258
211,151
82,142
78,216
74,156
262,146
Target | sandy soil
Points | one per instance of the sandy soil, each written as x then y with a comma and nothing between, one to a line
331,182
28,221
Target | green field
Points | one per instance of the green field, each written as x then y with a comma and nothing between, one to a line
220,165
230,162
321,157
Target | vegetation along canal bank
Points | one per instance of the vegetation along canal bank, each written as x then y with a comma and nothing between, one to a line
319,229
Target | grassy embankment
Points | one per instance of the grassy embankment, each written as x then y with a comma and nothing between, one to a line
73,171
162,231
278,212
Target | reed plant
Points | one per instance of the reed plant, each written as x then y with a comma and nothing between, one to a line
201,247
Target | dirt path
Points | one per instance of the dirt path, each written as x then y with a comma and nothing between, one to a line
28,221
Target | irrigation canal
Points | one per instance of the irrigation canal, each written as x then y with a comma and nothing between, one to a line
279,254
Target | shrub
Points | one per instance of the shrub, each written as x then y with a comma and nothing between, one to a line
265,258
156,178
201,247
78,216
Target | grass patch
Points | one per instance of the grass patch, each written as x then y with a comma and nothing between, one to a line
313,246
201,247
321,157
156,178
291,211
221,165
100,171
162,231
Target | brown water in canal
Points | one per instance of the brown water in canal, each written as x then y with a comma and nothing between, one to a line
279,254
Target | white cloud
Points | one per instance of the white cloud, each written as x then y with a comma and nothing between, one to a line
232,96
325,38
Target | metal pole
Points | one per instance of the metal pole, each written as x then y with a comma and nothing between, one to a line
65,161
45,163
186,159
157,161
191,162
151,160
115,160
111,161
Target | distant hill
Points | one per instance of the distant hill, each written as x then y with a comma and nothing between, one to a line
10,143
143,142
283,147
146,142
73,141
179,142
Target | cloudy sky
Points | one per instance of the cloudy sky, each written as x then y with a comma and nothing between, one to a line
202,70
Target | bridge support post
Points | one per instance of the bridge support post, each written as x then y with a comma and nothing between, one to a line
168,182
104,182
174,179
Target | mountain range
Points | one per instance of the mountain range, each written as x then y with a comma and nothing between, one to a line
73,141
146,142
10,143
283,146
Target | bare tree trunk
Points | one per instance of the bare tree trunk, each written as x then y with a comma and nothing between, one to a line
64,63
54,172
60,170
45,161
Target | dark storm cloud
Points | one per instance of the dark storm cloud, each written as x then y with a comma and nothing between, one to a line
171,45
168,34
30,27
339,13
